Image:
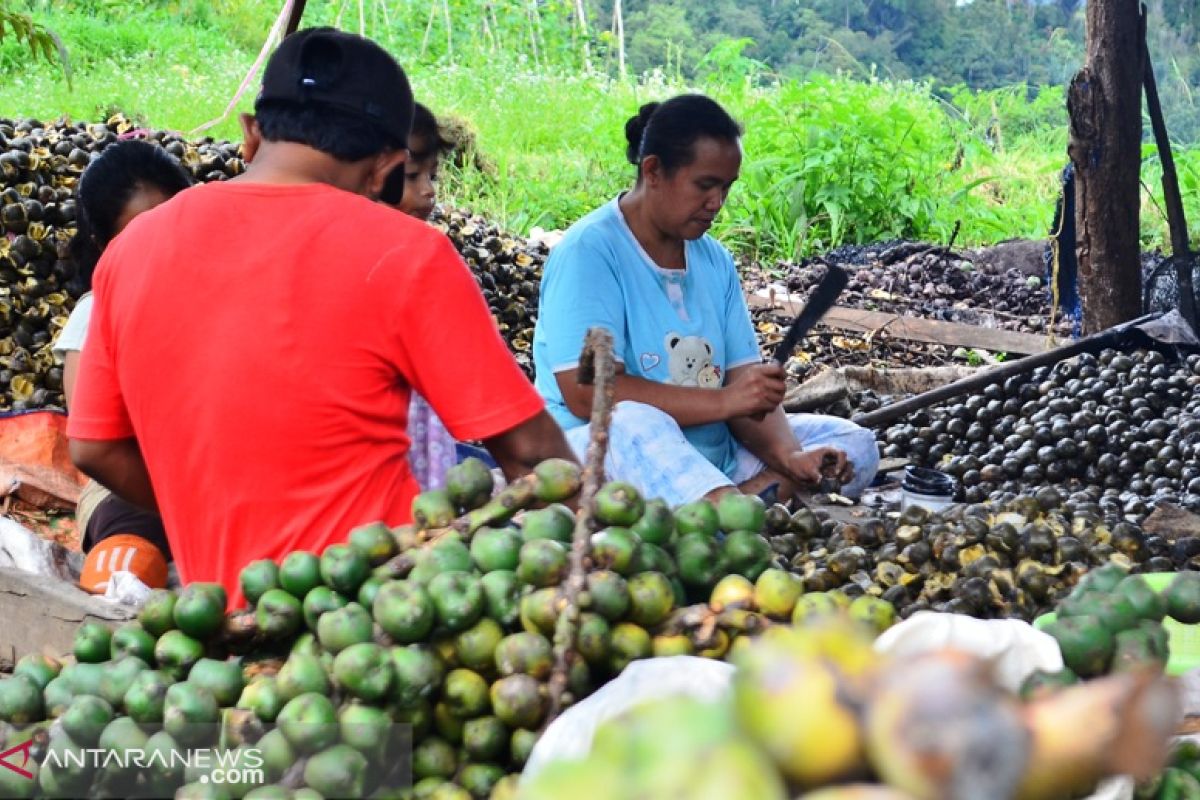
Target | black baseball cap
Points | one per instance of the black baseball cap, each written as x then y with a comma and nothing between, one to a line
335,69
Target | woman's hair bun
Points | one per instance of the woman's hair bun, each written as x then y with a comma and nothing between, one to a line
635,129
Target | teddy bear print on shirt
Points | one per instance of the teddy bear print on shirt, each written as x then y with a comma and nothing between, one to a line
690,362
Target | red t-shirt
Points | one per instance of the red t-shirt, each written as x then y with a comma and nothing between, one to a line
260,341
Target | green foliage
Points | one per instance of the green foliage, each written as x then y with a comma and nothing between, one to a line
833,160
21,29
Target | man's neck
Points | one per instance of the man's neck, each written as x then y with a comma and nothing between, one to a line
288,163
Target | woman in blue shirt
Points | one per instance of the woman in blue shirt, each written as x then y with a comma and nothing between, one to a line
698,414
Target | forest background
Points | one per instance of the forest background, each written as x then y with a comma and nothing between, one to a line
866,120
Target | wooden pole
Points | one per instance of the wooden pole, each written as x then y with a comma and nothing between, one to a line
294,18
1181,255
581,18
530,15
287,16
619,31
1104,105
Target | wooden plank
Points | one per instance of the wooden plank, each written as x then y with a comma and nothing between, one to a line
41,612
1172,522
917,329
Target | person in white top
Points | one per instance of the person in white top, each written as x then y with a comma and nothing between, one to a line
128,178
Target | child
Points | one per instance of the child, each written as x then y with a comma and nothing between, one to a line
127,179
412,189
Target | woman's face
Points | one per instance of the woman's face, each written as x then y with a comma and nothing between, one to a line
686,202
420,182
144,198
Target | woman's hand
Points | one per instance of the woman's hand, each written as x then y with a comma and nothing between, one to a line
809,466
754,390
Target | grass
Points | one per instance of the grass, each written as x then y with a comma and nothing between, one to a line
830,160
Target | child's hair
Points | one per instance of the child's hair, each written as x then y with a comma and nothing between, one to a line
426,128
428,134
106,187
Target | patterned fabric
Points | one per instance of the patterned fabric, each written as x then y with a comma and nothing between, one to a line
648,449
433,448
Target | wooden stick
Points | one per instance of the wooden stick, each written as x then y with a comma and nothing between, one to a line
1181,255
294,18
288,15
596,367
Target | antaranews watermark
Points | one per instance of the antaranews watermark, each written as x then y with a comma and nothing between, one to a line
353,756
241,766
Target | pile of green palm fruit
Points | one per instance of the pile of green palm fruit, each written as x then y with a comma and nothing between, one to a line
816,713
1180,780
439,634
1112,621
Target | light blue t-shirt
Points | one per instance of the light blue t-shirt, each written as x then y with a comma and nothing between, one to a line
687,327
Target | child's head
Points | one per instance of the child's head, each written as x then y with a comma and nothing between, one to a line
412,188
128,178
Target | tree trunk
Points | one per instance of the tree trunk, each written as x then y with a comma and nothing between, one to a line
619,35
1104,104
581,17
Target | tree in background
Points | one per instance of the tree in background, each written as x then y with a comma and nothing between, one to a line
1105,103
41,42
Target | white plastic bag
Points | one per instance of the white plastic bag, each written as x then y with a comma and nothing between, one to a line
127,589
21,548
1015,648
570,736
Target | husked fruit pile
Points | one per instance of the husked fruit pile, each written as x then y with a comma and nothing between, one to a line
448,626
816,713
927,281
1125,427
830,347
1011,559
39,165
509,271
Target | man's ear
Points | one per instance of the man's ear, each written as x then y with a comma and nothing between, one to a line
251,136
383,165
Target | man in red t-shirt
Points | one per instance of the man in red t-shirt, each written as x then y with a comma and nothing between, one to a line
254,342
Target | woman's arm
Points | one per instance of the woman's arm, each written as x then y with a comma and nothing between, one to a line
771,440
752,389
